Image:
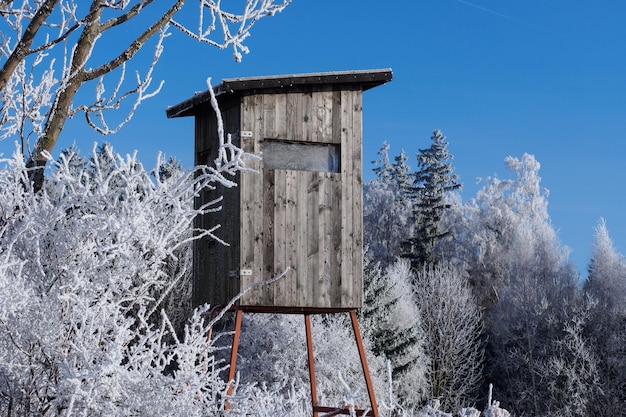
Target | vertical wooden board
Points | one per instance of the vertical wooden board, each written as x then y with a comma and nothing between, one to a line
357,198
232,203
268,235
313,237
251,230
252,211
317,116
280,232
205,135
325,245
294,116
336,117
347,233
257,267
230,255
212,283
291,238
323,104
308,127
280,119
269,116
246,187
336,260
300,248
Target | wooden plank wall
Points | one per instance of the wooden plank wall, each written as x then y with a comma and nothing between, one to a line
213,262
308,221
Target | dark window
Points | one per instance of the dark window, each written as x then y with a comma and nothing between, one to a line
301,156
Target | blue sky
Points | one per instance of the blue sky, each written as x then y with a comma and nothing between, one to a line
498,77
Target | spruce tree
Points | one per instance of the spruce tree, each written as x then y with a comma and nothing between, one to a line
401,177
432,181
606,284
388,339
386,210
382,167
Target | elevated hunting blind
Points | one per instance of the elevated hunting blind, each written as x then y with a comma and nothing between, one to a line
300,211
303,207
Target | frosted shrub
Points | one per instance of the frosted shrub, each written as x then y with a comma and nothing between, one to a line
469,412
494,410
432,410
86,268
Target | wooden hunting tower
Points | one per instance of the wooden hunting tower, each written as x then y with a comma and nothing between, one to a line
302,208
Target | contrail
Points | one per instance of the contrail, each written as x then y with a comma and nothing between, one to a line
493,12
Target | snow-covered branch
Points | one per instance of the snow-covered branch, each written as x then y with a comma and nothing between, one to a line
52,49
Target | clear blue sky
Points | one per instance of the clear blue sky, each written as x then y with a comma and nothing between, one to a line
498,77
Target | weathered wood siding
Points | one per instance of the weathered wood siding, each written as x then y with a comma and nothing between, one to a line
216,277
308,221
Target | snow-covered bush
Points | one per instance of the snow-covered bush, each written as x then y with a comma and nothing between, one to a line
86,268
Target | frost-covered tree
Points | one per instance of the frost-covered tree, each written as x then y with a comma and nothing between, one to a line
527,332
391,321
607,272
606,283
453,328
402,176
506,231
520,273
434,180
572,371
52,49
387,208
382,167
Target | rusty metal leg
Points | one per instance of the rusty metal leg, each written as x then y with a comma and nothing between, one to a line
366,371
309,348
212,314
233,357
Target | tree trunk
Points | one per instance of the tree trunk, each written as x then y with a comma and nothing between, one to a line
60,110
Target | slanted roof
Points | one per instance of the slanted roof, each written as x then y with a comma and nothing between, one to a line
363,79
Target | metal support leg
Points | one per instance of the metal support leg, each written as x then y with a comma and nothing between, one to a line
212,314
366,371
309,348
233,357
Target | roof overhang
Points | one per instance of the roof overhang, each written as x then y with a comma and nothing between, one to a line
362,79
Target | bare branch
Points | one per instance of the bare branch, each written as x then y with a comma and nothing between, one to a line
137,44
132,12
115,99
67,39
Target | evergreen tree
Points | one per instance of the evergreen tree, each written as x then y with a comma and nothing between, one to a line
379,300
607,328
382,166
170,168
401,177
433,181
391,322
386,212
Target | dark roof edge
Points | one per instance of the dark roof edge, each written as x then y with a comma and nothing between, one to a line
365,78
